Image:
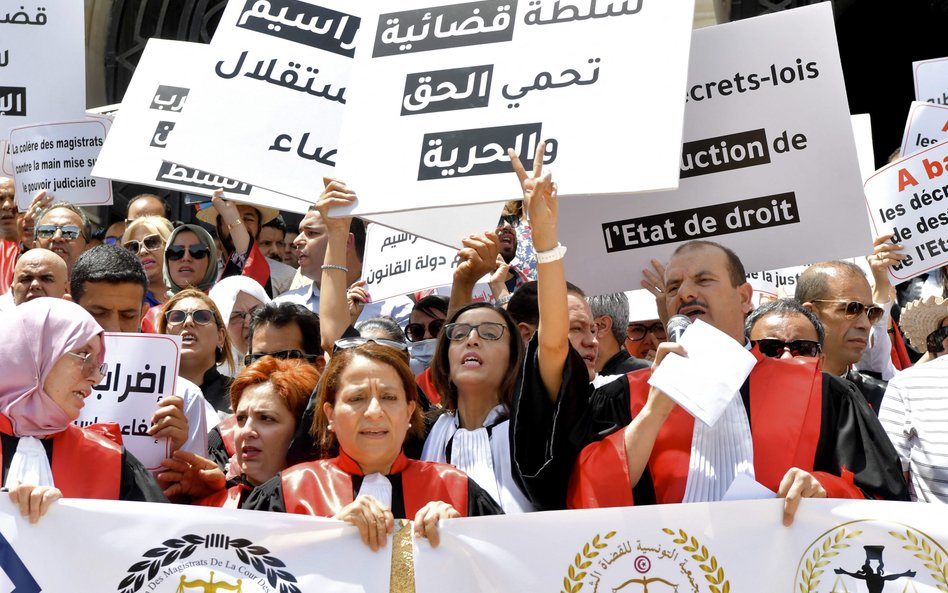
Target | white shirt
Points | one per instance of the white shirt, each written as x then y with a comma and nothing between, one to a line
397,307
914,414
195,411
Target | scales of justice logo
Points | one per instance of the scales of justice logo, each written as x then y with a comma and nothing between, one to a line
212,563
673,561
869,556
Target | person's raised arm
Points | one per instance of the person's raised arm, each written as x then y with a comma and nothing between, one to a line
478,256
230,217
333,302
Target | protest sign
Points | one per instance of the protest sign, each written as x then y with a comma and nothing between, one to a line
442,91
151,109
758,173
909,197
833,545
136,547
446,226
398,263
58,158
862,134
42,63
271,95
931,80
927,125
143,369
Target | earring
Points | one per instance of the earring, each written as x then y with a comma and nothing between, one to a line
409,425
329,426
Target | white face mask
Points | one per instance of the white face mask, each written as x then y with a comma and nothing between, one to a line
422,351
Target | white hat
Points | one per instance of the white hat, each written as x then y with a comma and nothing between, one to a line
921,317
209,215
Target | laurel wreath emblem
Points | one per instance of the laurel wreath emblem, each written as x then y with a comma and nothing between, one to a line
713,572
180,548
573,581
933,559
828,547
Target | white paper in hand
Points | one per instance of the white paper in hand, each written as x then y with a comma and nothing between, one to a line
712,374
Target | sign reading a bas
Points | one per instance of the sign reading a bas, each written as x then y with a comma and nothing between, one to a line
157,96
449,87
271,95
757,172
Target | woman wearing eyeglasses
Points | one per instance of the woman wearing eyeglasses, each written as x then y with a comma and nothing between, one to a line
146,237
237,297
205,343
50,358
367,406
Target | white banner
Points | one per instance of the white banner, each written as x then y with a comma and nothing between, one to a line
58,158
42,63
451,87
446,226
398,263
758,173
151,109
143,369
833,546
271,95
129,547
931,80
927,125
910,198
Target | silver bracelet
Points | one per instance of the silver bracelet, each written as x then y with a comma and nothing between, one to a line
333,267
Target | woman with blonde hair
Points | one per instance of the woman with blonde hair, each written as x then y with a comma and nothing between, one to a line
147,237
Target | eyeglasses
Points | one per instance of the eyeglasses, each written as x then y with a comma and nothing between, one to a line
415,332
637,331
70,232
488,330
855,309
90,363
197,251
151,243
111,240
511,219
346,343
199,316
284,354
241,315
772,348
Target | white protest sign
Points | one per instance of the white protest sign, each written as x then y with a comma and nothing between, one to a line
143,369
398,263
271,95
927,124
42,63
442,91
758,173
909,197
151,109
862,134
58,158
6,163
446,226
931,80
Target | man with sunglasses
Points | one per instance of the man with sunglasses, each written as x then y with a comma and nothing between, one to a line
838,293
64,229
785,329
109,282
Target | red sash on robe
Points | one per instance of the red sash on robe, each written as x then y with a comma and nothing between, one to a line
228,427
225,499
785,426
87,462
322,488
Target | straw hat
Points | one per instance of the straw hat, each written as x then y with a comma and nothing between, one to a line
921,317
209,214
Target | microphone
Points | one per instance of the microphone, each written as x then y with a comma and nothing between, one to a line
676,326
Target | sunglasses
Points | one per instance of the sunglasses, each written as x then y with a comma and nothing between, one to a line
855,309
415,332
511,219
90,363
488,330
199,316
637,332
284,354
70,232
772,348
197,251
346,343
151,243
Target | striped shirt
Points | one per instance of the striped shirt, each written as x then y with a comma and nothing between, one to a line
915,416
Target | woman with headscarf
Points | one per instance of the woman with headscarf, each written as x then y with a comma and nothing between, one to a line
236,298
51,357
190,259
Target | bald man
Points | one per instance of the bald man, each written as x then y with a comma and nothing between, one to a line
39,273
145,205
